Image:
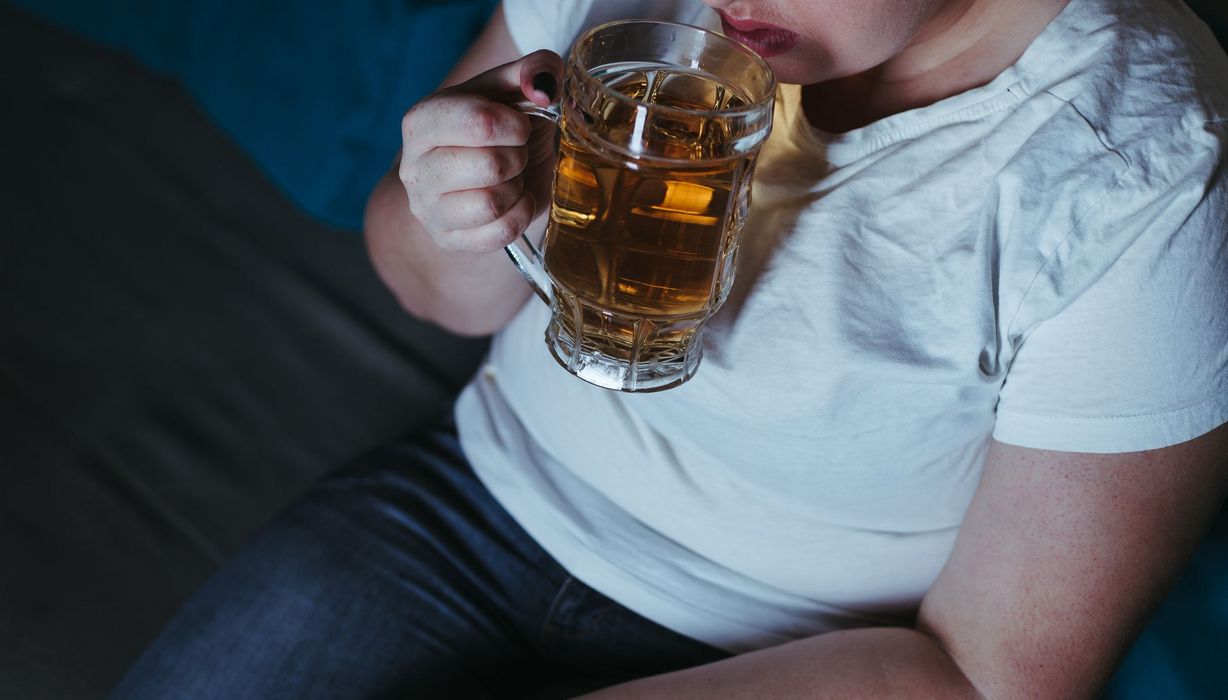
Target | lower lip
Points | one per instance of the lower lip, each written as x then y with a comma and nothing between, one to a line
765,42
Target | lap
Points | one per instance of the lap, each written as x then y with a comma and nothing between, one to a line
398,575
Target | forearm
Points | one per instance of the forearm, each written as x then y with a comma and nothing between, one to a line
865,663
466,293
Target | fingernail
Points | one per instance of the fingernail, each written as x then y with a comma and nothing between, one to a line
545,82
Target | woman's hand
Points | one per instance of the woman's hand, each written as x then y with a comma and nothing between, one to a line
477,171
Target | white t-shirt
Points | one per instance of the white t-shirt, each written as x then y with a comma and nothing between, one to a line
1043,260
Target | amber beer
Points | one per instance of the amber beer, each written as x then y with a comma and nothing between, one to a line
659,127
647,239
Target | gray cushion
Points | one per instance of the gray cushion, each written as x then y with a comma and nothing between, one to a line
181,353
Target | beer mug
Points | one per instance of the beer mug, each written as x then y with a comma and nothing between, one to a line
659,126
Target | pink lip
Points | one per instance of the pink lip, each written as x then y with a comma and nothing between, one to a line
766,39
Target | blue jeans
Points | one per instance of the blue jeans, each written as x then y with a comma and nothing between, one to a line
400,576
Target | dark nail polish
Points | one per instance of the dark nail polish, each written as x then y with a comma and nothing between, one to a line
546,83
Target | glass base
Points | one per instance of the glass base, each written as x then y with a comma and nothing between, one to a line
641,370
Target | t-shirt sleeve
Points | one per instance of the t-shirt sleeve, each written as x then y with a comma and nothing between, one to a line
545,24
1138,357
554,24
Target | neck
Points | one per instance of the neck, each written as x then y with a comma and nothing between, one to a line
965,44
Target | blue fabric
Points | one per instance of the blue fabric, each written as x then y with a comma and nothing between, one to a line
1182,651
400,576
313,91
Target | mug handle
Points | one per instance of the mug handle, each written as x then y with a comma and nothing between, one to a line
523,253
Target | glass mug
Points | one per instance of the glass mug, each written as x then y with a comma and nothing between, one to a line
659,126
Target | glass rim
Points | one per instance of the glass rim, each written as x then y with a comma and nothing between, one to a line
749,109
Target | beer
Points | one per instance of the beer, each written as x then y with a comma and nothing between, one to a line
641,238
659,127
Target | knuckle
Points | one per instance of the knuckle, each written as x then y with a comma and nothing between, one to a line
514,161
495,165
408,122
486,164
412,126
405,173
503,231
501,166
491,203
420,121
521,127
412,195
485,123
521,157
523,216
416,187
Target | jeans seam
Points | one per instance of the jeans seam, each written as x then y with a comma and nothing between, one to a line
547,623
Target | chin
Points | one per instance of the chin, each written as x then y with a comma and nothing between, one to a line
798,70
790,75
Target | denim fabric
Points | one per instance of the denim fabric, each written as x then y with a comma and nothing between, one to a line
399,576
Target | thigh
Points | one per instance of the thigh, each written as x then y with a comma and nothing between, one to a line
589,641
397,575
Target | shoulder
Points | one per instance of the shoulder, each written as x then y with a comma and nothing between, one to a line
1115,203
1126,113
1145,77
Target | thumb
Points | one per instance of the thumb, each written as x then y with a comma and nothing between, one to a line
535,76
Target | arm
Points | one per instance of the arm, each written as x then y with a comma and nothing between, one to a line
1059,561
454,272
